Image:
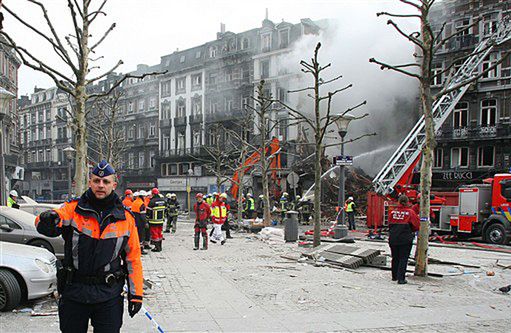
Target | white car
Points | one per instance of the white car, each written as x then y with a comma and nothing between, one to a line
26,273
35,208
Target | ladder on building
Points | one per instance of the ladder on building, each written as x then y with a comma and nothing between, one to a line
410,149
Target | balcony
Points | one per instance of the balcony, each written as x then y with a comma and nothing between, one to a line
196,118
220,116
63,140
175,152
165,123
475,132
180,121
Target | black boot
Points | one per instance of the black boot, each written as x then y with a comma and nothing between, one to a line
196,240
157,246
204,241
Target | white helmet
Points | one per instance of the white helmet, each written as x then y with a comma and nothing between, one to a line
143,193
13,193
261,196
136,194
350,198
249,195
172,195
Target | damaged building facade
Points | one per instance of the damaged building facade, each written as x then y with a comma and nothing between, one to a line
475,142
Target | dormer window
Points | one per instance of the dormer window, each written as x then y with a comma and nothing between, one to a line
212,52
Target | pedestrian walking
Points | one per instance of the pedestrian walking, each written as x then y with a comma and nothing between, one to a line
101,250
155,212
260,207
12,200
403,222
128,198
172,212
349,208
202,214
139,212
250,206
219,217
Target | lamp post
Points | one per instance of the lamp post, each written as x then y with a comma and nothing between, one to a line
342,121
5,98
189,173
70,153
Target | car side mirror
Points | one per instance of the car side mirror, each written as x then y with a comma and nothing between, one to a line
6,228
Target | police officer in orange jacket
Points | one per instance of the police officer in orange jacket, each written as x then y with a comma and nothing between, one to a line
128,198
101,251
403,222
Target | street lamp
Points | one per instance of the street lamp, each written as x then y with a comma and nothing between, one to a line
342,121
70,154
5,98
189,174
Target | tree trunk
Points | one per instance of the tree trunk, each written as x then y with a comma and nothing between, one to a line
317,196
240,184
421,266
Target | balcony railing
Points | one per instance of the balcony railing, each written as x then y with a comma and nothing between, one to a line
180,121
165,123
196,118
476,132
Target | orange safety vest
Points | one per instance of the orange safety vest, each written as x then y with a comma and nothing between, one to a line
127,202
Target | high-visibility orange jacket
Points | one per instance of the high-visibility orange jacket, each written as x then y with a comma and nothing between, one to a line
96,245
127,202
138,209
146,201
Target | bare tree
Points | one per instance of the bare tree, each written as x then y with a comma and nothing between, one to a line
427,43
319,123
76,52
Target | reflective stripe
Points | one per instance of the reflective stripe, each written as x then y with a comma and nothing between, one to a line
87,232
117,249
130,271
111,234
75,240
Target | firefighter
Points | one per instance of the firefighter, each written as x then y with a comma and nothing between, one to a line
250,206
218,217
211,198
147,235
128,198
138,210
12,200
403,223
101,250
284,203
202,214
156,217
306,210
349,208
260,207
172,212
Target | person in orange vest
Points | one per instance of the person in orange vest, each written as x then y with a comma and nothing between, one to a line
128,198
101,251
147,197
138,210
218,217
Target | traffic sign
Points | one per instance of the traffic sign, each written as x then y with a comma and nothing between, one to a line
293,178
344,160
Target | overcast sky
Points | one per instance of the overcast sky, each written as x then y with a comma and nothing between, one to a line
148,29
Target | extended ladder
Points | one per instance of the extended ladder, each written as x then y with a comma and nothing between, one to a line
410,148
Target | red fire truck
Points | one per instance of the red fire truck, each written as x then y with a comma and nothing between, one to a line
476,210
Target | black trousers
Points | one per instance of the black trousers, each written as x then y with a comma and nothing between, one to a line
105,317
351,220
400,254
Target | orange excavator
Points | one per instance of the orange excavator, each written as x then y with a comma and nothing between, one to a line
273,150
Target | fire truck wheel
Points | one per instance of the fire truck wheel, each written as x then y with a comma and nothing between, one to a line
495,234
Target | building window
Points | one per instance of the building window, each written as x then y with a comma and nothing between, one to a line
165,143
282,94
284,38
197,81
131,160
460,115
182,59
181,141
488,112
130,107
197,54
437,76
152,103
197,106
490,22
196,138
488,62
265,69
165,112
459,157
172,169
141,132
244,103
163,168
266,42
180,85
438,161
212,51
48,155
131,132
165,88
151,159
212,137
141,160
485,156
228,104
213,106
180,109
152,129
141,105
245,43
228,75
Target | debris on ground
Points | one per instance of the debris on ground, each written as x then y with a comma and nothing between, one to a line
272,236
505,289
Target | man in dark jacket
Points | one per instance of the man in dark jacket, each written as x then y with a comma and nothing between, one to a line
101,250
172,212
155,213
403,223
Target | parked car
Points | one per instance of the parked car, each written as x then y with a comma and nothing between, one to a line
31,206
26,273
17,226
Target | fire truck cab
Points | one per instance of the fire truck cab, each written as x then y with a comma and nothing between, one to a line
483,210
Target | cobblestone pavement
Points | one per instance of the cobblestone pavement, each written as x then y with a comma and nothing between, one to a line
245,285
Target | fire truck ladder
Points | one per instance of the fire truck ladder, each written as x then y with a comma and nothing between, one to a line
410,148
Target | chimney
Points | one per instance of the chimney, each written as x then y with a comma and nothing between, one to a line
222,28
266,17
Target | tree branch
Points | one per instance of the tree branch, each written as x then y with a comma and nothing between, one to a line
112,27
351,140
397,69
410,37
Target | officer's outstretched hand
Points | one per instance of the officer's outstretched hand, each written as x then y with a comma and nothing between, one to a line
49,216
133,308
